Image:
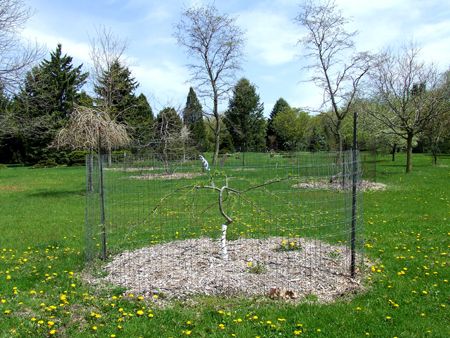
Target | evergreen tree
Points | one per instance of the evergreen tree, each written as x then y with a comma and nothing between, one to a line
168,127
168,124
44,103
273,139
244,118
140,120
193,119
115,91
63,81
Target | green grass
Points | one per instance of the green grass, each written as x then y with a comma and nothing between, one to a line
42,258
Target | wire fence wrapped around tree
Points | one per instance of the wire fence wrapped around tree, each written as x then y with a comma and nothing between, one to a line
278,225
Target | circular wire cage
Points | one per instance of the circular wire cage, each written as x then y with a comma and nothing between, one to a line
284,225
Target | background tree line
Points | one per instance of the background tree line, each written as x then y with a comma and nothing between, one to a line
401,102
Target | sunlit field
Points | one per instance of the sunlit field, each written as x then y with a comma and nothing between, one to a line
42,260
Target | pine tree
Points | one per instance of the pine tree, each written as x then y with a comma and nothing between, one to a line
273,140
244,118
193,119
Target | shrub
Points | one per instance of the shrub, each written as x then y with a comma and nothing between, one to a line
47,163
77,157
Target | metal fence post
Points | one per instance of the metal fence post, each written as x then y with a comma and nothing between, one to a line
354,183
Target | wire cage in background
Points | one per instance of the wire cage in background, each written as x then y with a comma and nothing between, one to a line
290,223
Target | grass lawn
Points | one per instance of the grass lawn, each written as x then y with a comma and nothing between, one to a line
42,257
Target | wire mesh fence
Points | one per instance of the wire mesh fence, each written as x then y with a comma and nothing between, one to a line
255,223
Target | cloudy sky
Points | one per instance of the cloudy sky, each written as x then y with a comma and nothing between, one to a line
273,60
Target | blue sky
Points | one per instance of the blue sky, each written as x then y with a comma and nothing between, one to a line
273,60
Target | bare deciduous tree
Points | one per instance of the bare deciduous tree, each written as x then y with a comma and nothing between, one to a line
15,57
215,43
337,68
410,92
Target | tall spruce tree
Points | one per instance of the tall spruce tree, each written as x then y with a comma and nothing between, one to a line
44,103
115,91
193,119
244,118
273,139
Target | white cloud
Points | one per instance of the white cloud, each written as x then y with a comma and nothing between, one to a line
76,49
164,81
271,37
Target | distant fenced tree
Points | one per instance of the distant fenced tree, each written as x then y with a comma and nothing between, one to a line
336,67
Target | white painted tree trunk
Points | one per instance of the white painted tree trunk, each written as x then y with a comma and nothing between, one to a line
223,242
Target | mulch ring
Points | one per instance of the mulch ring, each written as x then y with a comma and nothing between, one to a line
256,267
165,176
338,186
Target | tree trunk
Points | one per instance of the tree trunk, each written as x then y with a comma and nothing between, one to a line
216,131
409,140
394,150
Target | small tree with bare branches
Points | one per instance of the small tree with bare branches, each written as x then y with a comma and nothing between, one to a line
215,43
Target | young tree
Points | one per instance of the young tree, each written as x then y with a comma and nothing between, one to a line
193,119
244,118
273,140
337,68
409,94
215,44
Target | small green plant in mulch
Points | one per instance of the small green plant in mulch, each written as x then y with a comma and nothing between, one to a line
256,267
286,245
334,254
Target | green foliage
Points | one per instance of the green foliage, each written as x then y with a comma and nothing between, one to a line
47,163
273,139
139,119
244,118
115,91
291,126
226,142
168,123
77,157
193,119
256,267
43,105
